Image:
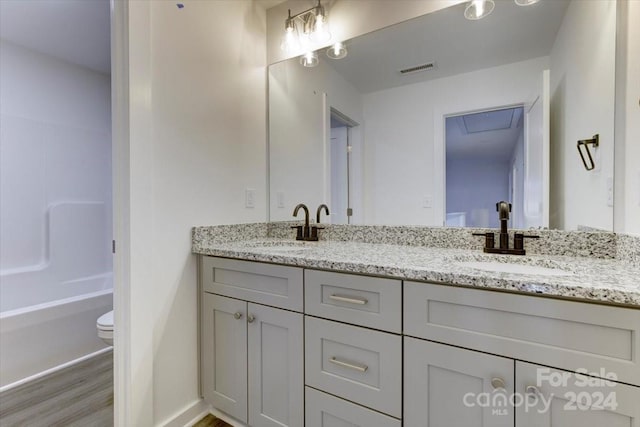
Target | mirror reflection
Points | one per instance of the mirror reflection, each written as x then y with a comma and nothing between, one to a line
434,120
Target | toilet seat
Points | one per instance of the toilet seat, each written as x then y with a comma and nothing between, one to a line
105,322
104,325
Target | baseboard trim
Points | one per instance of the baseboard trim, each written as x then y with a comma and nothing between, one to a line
226,418
190,415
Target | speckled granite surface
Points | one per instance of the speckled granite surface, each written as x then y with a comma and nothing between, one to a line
597,278
203,237
551,242
628,249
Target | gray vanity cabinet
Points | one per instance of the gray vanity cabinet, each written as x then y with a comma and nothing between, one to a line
353,350
567,399
484,340
224,345
252,361
252,355
379,352
447,386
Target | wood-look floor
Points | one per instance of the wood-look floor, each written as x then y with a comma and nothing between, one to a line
211,421
78,396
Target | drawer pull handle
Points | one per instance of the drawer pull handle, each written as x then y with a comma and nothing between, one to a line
354,366
497,383
237,315
351,300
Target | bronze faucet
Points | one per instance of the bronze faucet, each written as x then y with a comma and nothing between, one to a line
305,232
302,232
315,228
504,209
319,211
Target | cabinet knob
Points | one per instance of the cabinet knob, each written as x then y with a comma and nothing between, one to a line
251,318
532,391
497,383
237,315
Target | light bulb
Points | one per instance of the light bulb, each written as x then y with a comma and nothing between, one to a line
526,2
479,4
290,42
320,31
309,59
337,51
478,9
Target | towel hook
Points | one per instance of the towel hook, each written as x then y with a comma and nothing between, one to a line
595,141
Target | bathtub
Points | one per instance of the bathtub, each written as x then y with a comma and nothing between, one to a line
39,336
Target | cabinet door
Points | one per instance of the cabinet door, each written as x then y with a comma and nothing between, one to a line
325,410
224,354
447,386
276,383
559,398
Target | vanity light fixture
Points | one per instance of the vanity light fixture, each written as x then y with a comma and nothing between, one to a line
291,40
309,59
526,2
478,9
314,24
337,51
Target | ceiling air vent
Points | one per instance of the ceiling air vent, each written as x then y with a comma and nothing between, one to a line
418,68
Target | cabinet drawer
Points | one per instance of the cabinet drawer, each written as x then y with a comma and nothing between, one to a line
324,410
368,301
267,284
358,364
564,334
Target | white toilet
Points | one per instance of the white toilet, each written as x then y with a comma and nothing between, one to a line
105,327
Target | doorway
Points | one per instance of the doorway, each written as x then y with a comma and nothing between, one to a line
484,164
341,149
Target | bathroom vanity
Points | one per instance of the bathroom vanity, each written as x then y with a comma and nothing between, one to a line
336,333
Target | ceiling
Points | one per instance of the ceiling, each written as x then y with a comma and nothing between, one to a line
510,34
489,134
266,4
77,31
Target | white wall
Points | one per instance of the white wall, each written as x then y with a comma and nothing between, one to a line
300,100
581,58
347,18
55,171
403,141
627,194
197,139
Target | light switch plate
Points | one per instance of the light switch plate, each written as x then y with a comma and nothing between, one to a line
610,191
280,199
427,202
250,198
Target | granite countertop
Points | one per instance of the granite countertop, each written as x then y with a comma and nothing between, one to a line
597,280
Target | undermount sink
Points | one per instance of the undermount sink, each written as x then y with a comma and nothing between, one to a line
280,246
286,248
506,267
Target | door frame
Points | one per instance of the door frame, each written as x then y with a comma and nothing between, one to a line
122,375
440,117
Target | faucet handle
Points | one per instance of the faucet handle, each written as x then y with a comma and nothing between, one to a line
518,240
299,234
314,232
